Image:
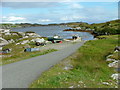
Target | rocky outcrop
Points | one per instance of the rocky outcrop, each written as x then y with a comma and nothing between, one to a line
3,41
32,35
114,63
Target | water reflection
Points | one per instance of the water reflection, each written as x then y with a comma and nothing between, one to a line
48,31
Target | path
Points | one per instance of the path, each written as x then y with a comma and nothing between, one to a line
21,74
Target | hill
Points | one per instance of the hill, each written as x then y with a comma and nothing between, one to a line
110,27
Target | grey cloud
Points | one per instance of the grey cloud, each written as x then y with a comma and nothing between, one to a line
19,5
92,15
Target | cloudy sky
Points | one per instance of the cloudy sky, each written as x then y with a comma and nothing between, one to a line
58,12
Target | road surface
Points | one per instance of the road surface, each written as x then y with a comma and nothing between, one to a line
21,74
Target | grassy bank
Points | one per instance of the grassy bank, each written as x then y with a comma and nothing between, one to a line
18,54
17,50
87,68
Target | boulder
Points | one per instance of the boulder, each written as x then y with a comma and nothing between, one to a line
105,83
22,33
3,41
11,41
68,67
25,41
115,76
117,48
109,59
113,64
32,35
25,37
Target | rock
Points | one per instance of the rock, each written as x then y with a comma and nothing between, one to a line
113,64
25,37
39,40
116,51
71,87
84,85
32,35
109,59
22,33
8,33
68,67
78,85
11,41
17,43
37,35
25,41
117,48
116,86
3,41
14,33
80,82
115,76
109,56
0,48
4,30
33,40
105,83
36,39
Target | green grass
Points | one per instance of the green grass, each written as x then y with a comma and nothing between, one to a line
25,55
18,53
14,37
89,68
115,55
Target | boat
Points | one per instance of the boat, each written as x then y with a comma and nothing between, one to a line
55,38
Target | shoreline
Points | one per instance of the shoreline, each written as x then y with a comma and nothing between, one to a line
91,32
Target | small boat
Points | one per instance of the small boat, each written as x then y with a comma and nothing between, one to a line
55,38
52,38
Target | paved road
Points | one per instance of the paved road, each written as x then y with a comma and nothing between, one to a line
21,74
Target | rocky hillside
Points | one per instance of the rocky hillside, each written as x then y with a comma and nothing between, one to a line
8,36
110,27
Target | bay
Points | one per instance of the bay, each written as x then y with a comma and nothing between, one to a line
48,31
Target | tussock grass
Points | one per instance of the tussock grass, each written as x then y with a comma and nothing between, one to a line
14,37
115,55
18,54
89,68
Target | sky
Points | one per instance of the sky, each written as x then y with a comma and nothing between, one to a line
58,12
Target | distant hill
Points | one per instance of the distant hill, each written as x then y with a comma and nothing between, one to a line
110,27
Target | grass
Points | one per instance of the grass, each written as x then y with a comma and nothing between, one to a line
18,54
115,55
89,67
27,55
14,37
